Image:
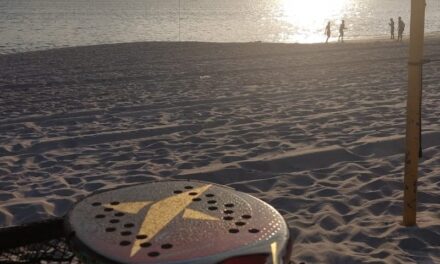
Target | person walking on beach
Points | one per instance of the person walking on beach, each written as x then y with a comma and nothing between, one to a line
341,31
328,31
392,27
400,29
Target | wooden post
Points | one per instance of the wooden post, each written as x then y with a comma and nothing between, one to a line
413,115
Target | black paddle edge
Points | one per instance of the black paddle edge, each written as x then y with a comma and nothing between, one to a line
17,236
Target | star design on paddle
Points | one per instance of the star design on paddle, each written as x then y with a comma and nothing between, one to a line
162,212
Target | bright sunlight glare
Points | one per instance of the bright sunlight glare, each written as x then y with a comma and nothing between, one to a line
311,16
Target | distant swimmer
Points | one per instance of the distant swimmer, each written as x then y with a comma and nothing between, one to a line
328,31
341,31
400,29
392,27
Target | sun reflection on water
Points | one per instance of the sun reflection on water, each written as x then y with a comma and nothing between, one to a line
308,18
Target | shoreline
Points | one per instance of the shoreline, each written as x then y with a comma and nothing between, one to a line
361,40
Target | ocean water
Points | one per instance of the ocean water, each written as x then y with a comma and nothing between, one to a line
27,25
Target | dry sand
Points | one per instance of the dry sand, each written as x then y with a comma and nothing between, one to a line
315,130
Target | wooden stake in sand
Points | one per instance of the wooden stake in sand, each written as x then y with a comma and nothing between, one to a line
414,102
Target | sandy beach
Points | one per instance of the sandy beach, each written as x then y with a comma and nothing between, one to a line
315,130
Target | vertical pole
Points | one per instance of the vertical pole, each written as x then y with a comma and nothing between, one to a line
412,140
179,20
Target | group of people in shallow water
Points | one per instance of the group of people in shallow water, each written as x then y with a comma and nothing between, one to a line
328,31
400,29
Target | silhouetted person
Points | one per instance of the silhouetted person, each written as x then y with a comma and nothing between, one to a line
341,31
392,27
400,29
328,31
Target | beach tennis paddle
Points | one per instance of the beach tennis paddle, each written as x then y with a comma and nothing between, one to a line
174,222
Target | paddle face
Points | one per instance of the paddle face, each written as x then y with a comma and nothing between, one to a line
177,222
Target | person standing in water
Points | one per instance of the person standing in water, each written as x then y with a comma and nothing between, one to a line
400,29
392,27
341,31
328,31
